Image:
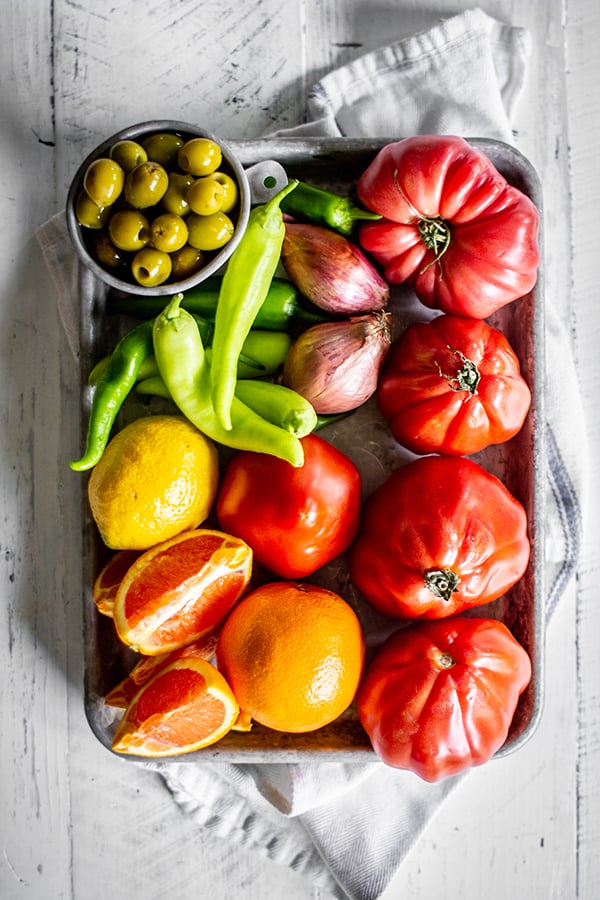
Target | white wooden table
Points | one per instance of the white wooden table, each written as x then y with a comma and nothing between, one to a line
76,822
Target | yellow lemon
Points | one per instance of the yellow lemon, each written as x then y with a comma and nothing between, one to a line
157,477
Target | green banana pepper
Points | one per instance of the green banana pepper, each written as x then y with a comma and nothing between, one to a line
245,285
185,370
276,403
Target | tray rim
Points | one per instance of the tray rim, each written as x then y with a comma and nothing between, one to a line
249,152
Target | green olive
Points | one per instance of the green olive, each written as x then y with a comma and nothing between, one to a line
185,262
205,196
230,190
109,256
199,156
128,229
88,214
174,199
103,181
163,148
168,232
128,154
146,184
151,267
209,232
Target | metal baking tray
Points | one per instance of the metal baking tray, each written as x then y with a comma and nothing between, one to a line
336,164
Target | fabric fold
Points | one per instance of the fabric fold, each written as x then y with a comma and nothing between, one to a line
463,76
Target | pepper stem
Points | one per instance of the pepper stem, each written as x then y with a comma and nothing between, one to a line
275,202
442,582
172,309
345,214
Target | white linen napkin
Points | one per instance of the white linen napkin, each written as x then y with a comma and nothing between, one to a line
347,828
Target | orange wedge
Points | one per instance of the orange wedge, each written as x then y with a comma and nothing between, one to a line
186,706
149,666
180,590
109,578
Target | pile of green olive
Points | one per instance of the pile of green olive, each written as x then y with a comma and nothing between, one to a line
154,211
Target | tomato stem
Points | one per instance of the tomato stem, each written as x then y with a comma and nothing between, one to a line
467,378
434,231
442,582
446,661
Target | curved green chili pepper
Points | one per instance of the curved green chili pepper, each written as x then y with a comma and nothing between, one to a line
280,310
153,385
185,371
114,384
245,285
312,204
146,369
325,419
277,404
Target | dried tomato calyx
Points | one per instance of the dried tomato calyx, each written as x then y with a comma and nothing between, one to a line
433,230
467,378
445,661
435,234
442,582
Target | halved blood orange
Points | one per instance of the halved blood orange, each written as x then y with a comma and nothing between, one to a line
109,578
148,666
181,590
186,706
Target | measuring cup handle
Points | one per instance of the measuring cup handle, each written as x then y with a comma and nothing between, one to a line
265,179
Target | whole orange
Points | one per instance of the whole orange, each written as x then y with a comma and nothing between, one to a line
293,654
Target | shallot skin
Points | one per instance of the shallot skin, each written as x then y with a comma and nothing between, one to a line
331,271
336,365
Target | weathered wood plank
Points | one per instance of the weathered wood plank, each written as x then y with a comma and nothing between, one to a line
34,610
583,30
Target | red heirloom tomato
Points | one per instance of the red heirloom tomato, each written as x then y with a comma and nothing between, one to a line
439,697
295,519
452,386
440,535
452,225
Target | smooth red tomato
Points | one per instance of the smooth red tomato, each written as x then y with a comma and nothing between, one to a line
439,697
452,225
452,386
440,535
295,519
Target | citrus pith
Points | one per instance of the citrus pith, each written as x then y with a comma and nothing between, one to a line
181,590
109,578
293,654
157,477
186,706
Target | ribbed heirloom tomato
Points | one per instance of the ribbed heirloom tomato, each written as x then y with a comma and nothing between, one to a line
452,225
295,519
440,697
440,535
453,386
